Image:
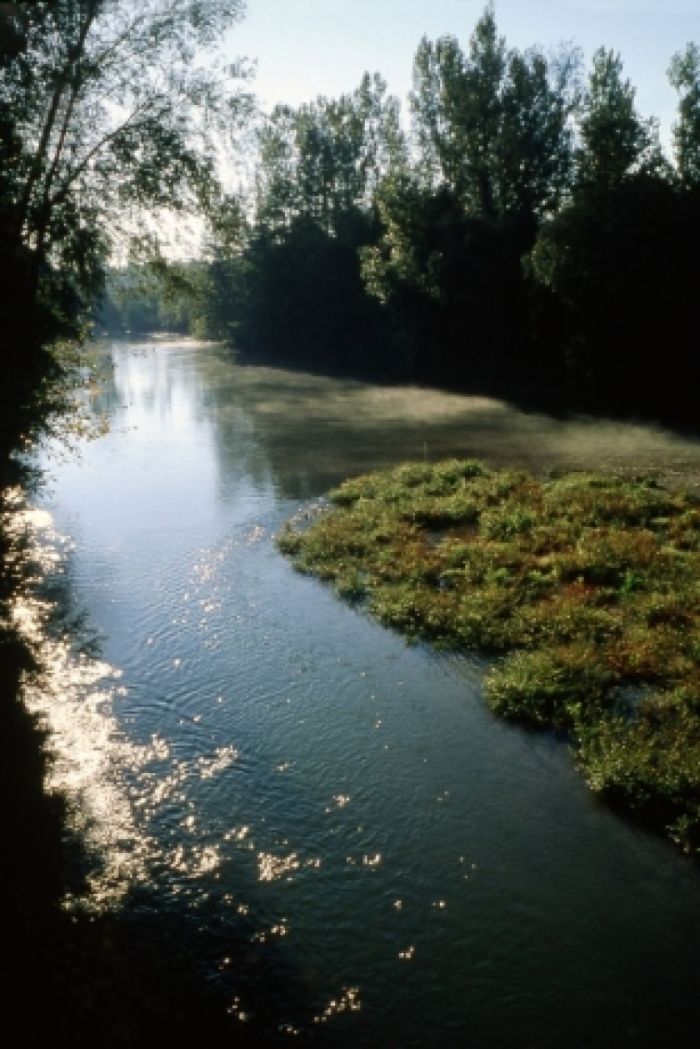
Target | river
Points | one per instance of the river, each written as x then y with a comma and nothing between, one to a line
357,851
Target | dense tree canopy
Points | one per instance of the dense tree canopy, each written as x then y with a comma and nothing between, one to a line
493,125
285,278
530,238
526,236
325,159
615,141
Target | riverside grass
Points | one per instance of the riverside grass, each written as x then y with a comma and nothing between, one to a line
586,586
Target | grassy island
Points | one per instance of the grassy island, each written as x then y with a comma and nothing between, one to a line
586,586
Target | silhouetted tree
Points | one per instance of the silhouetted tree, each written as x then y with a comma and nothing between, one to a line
684,75
291,287
493,130
611,256
493,125
106,114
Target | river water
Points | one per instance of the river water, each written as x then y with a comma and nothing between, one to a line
356,851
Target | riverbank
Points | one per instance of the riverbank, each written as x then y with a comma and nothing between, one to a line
585,586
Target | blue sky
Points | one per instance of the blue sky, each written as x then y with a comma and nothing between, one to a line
308,47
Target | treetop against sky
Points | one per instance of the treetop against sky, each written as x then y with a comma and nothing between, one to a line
310,47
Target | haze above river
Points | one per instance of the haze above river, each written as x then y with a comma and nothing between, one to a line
357,850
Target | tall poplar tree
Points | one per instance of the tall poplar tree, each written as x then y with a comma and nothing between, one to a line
684,75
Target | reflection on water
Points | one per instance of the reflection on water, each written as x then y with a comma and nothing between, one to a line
281,772
73,698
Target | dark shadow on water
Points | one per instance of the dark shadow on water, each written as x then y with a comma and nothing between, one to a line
130,978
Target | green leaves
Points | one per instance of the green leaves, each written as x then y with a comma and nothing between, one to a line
326,158
111,113
616,142
117,113
684,74
492,124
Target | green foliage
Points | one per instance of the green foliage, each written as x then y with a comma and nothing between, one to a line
109,111
108,115
650,763
298,298
615,141
324,160
495,155
614,267
290,288
550,686
587,583
684,75
531,240
417,227
456,108
162,296
493,124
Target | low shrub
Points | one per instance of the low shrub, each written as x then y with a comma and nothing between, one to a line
586,583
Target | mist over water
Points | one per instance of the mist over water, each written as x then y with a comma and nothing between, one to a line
347,834
317,430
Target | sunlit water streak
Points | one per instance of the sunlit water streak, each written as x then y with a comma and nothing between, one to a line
73,697
268,762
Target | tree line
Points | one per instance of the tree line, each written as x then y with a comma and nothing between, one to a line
526,237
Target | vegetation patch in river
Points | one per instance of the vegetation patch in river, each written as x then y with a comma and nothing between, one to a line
587,585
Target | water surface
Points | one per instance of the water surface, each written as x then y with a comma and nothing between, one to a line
358,851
